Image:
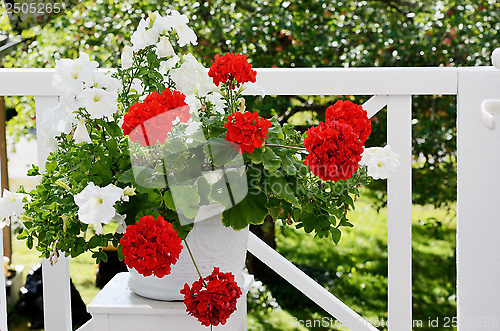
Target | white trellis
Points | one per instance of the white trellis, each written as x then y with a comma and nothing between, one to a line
478,221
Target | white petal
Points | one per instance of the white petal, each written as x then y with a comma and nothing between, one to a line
164,48
81,134
126,58
122,226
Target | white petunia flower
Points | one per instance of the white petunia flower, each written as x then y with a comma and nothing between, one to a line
99,103
96,204
169,64
193,103
81,134
164,48
179,23
218,101
139,38
70,74
63,117
105,80
11,205
122,226
192,77
146,35
127,57
381,162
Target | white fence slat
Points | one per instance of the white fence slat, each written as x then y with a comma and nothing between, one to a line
3,294
375,104
308,286
357,81
288,81
399,214
56,295
478,201
56,289
88,326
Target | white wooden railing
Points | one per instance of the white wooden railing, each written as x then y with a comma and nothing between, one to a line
478,218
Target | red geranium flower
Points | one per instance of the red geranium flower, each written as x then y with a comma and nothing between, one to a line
150,121
334,150
247,130
350,113
151,246
231,69
212,299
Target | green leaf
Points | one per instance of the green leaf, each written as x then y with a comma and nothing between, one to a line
186,200
251,210
204,190
169,200
230,189
267,157
94,242
275,134
335,234
281,188
51,166
34,171
220,151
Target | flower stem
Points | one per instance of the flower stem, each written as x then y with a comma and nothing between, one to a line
286,146
194,262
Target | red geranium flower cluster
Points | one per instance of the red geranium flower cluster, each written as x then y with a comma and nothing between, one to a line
334,150
151,246
232,69
150,121
350,113
247,130
212,299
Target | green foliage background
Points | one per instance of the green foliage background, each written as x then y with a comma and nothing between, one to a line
310,33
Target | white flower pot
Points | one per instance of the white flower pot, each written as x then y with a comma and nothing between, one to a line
212,245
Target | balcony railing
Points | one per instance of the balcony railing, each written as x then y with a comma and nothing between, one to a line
478,219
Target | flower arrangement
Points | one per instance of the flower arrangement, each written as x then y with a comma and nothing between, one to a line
138,153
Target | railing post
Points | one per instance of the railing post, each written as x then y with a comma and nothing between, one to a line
3,293
56,287
478,202
399,214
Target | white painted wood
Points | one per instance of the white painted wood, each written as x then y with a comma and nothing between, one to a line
375,104
87,326
489,108
306,285
56,289
56,295
3,294
495,58
357,81
117,308
478,216
399,215
288,81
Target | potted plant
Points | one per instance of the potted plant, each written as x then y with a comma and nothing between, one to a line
163,160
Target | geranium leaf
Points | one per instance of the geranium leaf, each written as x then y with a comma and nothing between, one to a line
186,200
271,161
281,188
204,190
169,200
220,151
251,210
